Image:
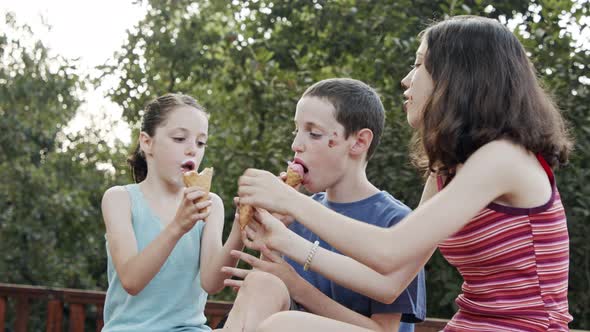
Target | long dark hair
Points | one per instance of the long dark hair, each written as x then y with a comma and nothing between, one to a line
485,88
155,115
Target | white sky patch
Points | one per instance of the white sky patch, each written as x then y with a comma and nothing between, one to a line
90,31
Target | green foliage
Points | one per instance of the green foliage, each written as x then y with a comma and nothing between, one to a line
50,193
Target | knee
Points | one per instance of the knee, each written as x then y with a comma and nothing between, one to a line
263,282
259,283
278,322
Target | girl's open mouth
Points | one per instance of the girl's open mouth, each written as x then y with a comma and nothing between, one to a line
187,166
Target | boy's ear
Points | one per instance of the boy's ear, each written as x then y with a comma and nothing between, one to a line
363,139
145,142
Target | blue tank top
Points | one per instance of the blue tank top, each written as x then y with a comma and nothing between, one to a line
174,299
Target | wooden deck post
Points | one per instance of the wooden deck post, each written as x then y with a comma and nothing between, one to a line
54,316
2,313
22,313
99,318
77,317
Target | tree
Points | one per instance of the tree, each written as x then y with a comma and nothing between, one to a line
51,182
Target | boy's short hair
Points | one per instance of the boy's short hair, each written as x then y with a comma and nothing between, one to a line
357,106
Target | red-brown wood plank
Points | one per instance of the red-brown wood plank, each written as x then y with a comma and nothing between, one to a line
77,317
99,318
22,313
2,313
54,316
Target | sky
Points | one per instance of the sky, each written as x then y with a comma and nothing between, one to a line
88,30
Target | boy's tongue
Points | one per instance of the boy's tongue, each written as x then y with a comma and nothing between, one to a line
297,168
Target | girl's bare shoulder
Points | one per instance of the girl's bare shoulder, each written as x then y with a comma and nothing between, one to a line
116,198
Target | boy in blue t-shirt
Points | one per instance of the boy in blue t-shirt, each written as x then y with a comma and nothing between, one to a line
383,210
338,127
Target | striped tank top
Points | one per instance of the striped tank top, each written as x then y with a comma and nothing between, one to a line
514,263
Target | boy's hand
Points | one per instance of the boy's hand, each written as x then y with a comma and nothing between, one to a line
188,213
273,264
264,231
263,189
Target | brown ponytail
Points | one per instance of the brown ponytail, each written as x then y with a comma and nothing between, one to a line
138,165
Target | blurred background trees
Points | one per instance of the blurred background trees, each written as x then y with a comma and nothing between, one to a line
248,62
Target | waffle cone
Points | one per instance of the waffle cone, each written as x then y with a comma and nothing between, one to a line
293,178
202,180
246,212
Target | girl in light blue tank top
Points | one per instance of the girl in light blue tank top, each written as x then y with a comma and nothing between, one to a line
164,249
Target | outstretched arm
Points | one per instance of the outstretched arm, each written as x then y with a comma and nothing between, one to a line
343,270
214,255
305,294
492,171
488,174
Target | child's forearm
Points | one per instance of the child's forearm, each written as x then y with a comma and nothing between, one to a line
217,256
233,242
139,270
341,269
351,274
345,234
350,236
437,218
316,302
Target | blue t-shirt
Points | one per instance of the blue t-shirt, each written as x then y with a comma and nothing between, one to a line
173,300
381,210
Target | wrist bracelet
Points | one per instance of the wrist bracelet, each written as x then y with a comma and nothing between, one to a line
310,255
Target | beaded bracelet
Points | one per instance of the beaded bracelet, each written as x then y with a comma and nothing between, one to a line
310,255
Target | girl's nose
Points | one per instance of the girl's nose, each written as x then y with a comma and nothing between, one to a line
191,149
406,81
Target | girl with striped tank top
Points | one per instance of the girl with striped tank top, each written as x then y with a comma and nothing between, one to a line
488,136
164,248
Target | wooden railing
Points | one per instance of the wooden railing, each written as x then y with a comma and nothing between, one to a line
72,305
76,300
76,304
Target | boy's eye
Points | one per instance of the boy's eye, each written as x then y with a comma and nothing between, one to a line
310,133
201,144
178,139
